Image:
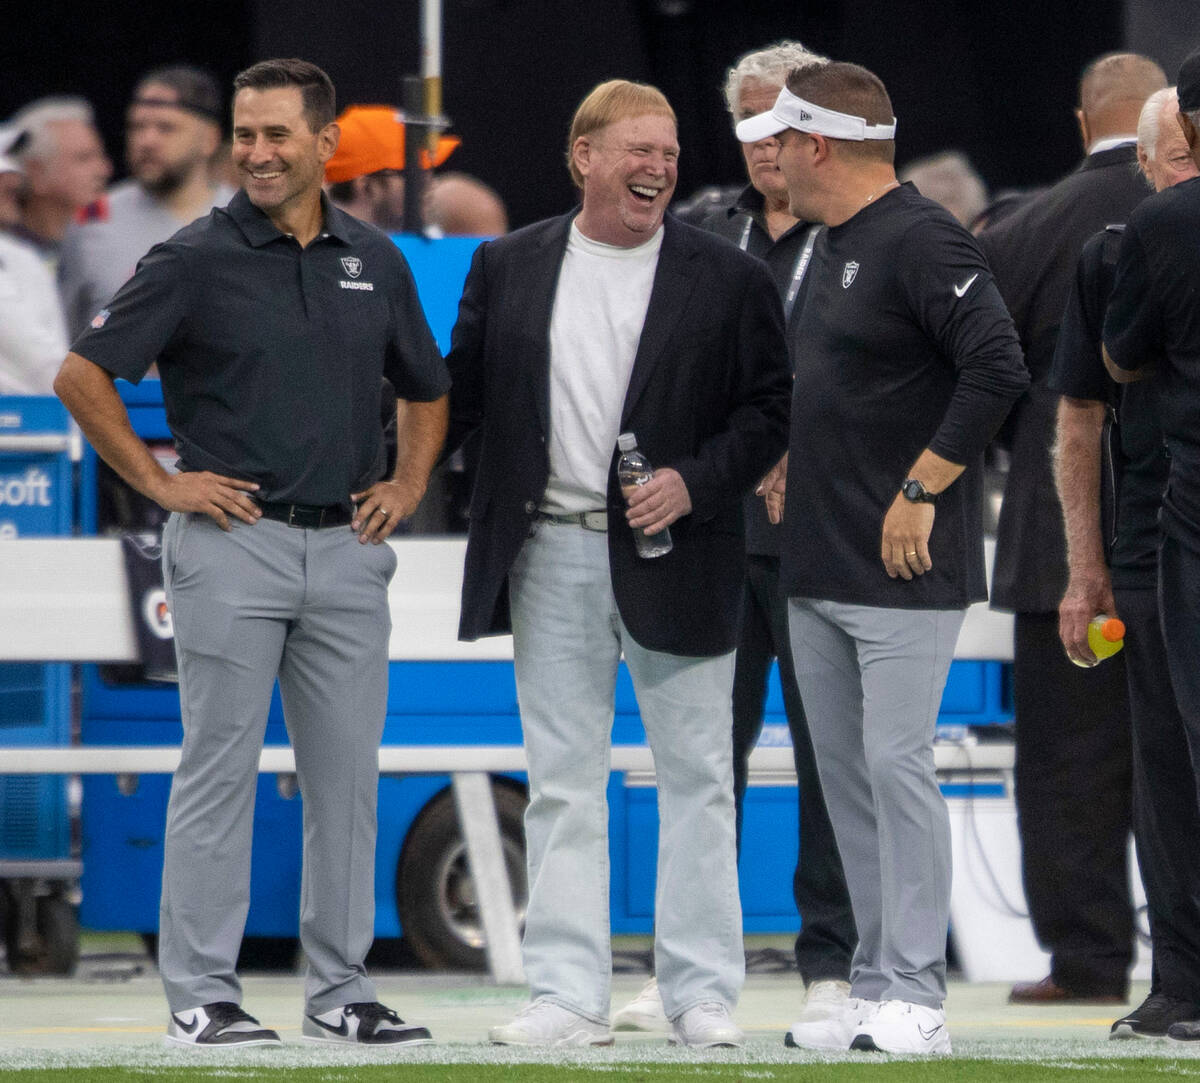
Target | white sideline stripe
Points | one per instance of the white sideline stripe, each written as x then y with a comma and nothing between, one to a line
67,599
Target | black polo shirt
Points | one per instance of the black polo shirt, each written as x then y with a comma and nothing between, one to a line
1153,319
903,343
788,258
1135,453
271,354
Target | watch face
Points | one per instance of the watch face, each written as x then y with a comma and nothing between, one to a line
913,490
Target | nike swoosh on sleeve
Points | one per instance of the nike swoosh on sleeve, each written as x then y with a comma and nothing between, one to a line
961,291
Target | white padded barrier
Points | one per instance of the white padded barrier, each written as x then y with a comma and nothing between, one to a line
66,599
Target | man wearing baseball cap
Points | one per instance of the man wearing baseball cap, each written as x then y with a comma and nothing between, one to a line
172,131
32,335
366,173
907,363
1152,329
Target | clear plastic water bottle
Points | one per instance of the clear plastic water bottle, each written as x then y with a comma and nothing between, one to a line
633,470
1106,636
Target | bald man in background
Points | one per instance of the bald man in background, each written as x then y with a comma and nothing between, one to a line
1073,765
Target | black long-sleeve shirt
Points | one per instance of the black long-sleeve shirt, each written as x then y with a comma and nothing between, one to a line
903,344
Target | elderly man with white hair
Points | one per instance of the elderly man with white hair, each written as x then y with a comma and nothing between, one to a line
1112,557
65,167
33,337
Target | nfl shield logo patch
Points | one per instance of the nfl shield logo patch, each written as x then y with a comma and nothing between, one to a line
848,273
101,318
353,265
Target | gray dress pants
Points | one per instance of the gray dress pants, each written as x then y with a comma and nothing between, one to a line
251,604
872,681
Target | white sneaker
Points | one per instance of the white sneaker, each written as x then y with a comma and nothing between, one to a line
643,1012
830,1019
220,1025
826,1021
706,1025
545,1023
368,1023
901,1027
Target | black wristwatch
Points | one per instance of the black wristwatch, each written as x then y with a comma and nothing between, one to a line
916,492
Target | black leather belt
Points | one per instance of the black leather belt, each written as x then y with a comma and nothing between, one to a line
306,516
589,520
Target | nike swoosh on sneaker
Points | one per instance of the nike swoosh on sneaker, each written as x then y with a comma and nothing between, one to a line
187,1028
931,1033
960,291
341,1030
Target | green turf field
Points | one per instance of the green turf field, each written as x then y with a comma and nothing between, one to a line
894,1071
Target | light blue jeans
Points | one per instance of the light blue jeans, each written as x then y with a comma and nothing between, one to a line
568,639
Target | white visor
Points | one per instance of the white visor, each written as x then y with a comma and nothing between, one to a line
10,140
792,112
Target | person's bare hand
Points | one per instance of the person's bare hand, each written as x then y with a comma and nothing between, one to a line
1089,591
213,495
656,505
773,489
904,547
382,507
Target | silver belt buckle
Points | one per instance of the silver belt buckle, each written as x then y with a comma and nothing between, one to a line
596,521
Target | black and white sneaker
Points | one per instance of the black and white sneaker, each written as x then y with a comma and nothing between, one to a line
221,1025
1154,1017
363,1024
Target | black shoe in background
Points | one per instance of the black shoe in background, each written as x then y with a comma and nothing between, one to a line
1185,1032
1155,1016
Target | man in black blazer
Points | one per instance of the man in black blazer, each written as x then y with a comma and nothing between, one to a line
572,331
1073,738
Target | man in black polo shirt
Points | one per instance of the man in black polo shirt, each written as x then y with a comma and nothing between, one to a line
1152,328
272,322
906,364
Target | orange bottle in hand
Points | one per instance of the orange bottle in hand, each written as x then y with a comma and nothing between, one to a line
1106,636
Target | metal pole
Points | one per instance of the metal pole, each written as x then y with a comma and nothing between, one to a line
415,126
431,65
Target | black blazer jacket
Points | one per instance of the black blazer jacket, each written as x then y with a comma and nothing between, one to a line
1034,253
708,395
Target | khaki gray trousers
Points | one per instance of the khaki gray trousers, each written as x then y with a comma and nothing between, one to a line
872,681
251,604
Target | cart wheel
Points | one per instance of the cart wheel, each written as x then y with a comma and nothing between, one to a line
435,893
55,950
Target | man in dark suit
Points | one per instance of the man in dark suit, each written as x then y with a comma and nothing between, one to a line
572,331
1073,737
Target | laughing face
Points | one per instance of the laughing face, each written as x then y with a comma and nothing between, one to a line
629,170
281,160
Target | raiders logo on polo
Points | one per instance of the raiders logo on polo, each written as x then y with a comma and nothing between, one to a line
848,273
353,265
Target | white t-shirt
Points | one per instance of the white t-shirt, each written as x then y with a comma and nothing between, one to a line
33,337
596,324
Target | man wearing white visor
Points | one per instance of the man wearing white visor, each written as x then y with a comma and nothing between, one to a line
906,364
